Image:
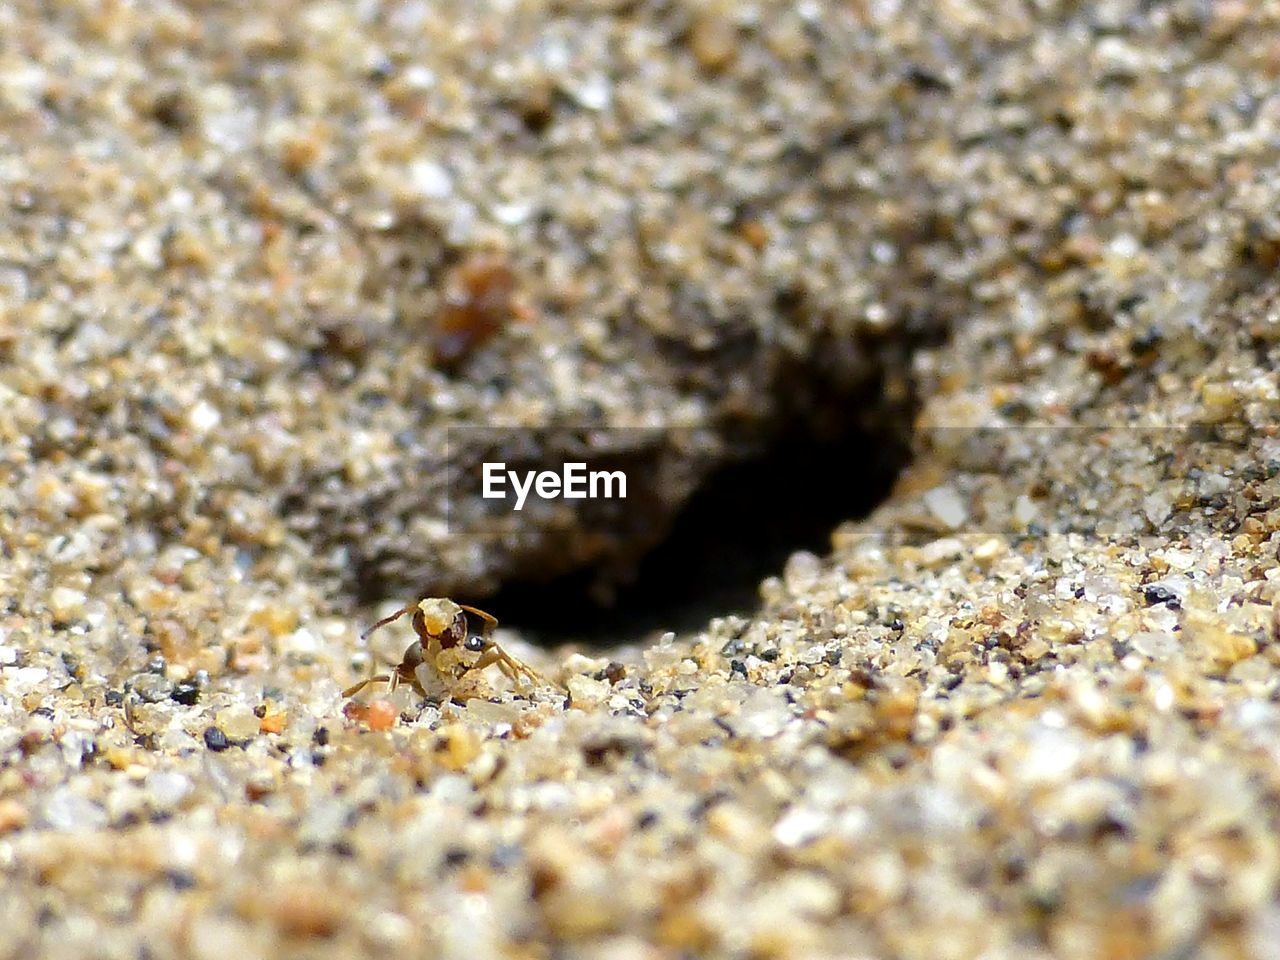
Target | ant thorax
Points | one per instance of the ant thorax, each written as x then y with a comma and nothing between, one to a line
435,684
452,676
455,661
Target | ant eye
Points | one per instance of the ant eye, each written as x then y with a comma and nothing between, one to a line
474,643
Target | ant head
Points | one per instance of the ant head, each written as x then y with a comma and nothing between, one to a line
439,615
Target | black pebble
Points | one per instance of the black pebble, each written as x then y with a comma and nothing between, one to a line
1157,594
215,739
1145,343
186,694
180,879
456,857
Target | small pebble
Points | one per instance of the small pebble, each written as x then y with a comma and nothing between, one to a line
13,816
66,604
215,739
151,688
168,789
304,911
376,715
714,40
68,810
238,722
1158,593
585,693
946,506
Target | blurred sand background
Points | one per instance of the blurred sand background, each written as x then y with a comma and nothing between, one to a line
258,259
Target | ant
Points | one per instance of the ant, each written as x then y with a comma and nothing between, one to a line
447,649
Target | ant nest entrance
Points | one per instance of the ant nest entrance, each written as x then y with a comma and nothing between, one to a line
740,528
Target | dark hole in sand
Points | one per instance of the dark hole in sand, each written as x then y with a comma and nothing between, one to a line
738,529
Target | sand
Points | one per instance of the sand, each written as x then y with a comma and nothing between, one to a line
259,260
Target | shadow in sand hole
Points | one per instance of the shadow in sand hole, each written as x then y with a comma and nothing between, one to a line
738,529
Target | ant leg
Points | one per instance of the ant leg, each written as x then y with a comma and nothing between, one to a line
496,655
508,664
489,657
522,668
507,670
353,690
389,619
373,657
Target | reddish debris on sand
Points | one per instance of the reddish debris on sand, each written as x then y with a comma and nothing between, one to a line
478,302
378,715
